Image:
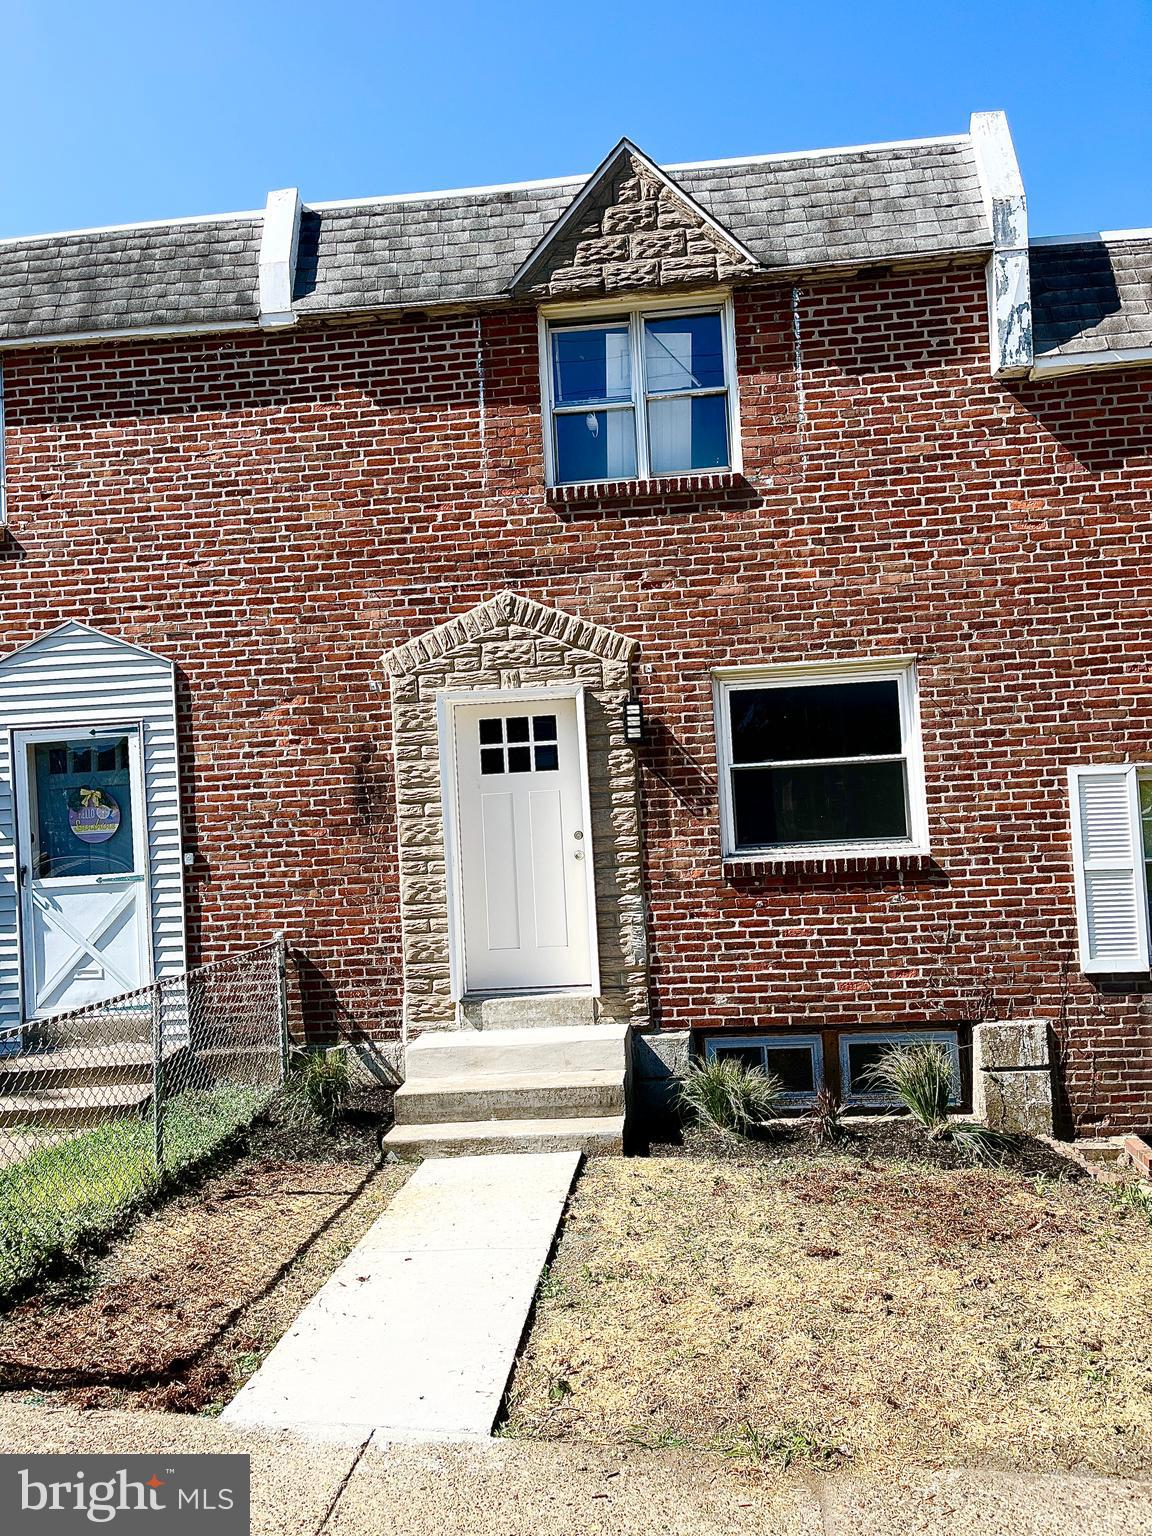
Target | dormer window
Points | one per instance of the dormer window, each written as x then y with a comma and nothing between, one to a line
639,394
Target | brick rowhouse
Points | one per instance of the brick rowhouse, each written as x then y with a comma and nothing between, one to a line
277,510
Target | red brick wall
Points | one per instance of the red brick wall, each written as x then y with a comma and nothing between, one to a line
276,511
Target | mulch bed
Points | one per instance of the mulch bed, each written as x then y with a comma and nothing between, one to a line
180,1309
878,1140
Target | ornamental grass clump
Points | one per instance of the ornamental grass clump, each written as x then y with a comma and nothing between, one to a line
725,1094
319,1084
922,1078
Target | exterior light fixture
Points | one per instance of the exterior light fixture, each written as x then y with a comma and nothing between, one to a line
633,721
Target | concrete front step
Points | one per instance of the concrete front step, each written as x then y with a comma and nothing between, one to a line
599,1133
122,1061
556,1050
513,1096
82,1105
535,1011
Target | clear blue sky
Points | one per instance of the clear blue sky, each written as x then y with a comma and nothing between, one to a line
144,109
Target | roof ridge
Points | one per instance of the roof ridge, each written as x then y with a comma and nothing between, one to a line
509,186
111,229
580,177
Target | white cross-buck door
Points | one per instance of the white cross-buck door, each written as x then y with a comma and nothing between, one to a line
525,864
82,845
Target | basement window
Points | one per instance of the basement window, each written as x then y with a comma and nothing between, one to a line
818,761
639,394
797,1060
861,1052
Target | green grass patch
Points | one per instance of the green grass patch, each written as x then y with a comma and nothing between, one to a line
83,1188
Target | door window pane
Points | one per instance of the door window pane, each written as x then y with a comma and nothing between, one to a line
84,816
685,352
690,432
491,731
833,720
547,759
519,760
544,727
595,445
592,367
827,803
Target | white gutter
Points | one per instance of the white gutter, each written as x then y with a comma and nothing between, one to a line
68,338
1009,284
1056,364
279,242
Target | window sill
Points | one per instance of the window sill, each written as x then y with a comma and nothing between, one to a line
833,861
602,492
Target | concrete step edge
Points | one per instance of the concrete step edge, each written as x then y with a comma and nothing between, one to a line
603,1133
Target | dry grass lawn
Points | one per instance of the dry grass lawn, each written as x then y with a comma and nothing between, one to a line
840,1311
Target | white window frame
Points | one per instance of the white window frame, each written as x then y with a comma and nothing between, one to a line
898,1040
902,669
765,1043
590,316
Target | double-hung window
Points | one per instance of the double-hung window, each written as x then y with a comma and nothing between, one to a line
639,394
819,760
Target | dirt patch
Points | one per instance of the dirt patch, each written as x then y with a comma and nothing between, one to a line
181,1309
837,1310
868,1139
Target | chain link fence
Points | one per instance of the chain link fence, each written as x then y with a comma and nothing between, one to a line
102,1106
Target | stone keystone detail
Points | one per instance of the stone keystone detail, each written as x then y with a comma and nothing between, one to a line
631,227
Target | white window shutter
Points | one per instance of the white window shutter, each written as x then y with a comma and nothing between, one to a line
1108,857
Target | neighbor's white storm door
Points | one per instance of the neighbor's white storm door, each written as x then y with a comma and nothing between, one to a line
82,842
523,852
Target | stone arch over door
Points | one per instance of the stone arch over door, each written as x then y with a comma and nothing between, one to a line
512,642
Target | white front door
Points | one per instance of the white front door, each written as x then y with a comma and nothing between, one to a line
525,853
82,835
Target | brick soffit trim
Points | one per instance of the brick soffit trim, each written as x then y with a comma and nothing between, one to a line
489,617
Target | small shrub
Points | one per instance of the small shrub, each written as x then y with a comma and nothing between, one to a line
320,1083
1133,1198
981,1144
727,1095
921,1077
826,1117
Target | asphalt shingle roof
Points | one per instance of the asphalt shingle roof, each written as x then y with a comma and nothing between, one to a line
870,205
1091,296
198,273
867,206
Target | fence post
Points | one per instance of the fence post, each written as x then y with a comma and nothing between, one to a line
282,976
158,1078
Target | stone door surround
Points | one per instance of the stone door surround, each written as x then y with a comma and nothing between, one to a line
511,641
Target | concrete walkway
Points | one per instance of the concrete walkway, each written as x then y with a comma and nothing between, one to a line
415,1335
518,1488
